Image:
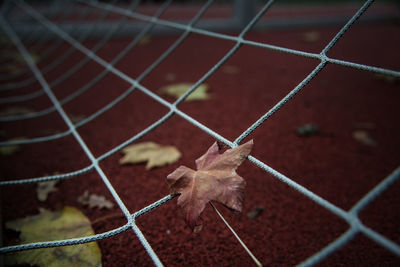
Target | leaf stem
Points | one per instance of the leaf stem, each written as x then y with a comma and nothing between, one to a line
257,262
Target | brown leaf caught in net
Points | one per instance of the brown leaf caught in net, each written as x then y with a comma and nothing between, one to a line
215,179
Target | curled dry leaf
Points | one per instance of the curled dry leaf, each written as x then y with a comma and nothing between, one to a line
43,189
178,89
364,138
95,201
387,78
255,213
46,226
154,154
170,77
307,130
215,179
76,119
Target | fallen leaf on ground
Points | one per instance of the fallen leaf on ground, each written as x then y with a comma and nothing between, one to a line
15,111
16,62
178,89
170,77
75,119
215,179
5,41
307,130
9,150
19,58
43,189
311,36
230,69
387,78
146,39
61,224
154,154
11,68
364,138
255,213
95,201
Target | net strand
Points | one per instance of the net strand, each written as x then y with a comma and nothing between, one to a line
329,249
53,64
95,80
78,138
87,239
48,52
290,182
78,66
81,142
303,83
179,26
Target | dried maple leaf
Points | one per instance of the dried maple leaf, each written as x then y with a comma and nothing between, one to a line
95,201
179,89
155,155
215,179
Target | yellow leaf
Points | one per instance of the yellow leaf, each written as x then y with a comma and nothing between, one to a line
178,89
61,224
155,155
20,59
9,150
